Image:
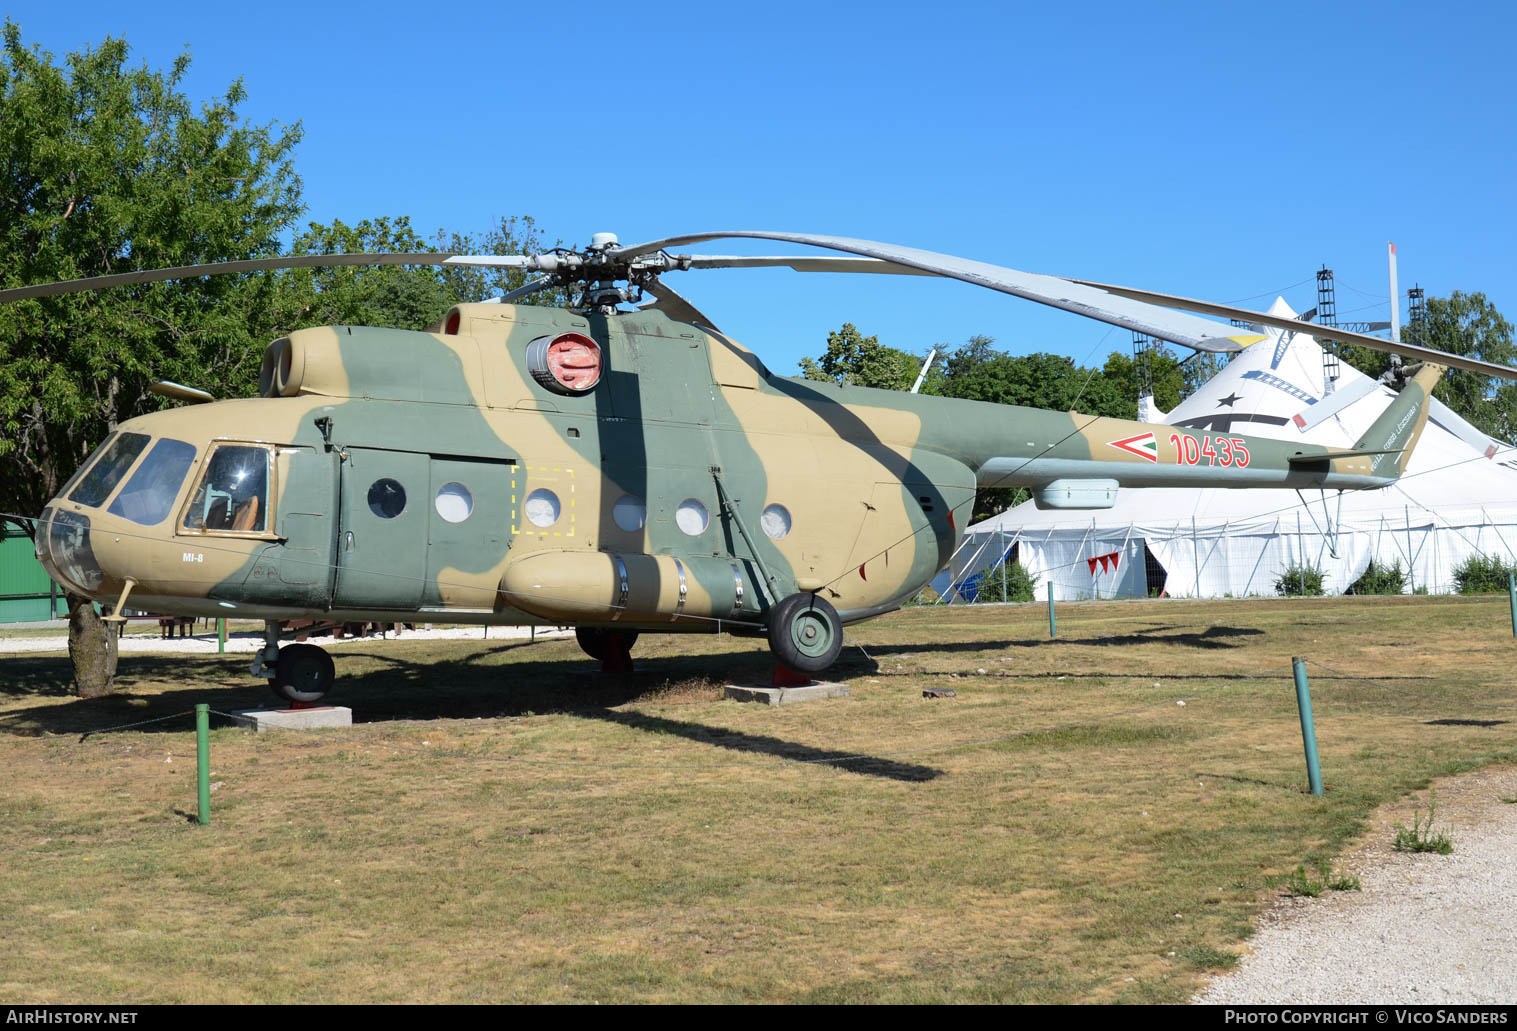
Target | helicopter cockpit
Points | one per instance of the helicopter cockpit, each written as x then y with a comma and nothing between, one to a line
231,497
233,492
139,477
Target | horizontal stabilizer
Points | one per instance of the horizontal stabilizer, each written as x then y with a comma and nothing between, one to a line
1329,455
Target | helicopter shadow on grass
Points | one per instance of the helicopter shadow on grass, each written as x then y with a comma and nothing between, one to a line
1212,638
401,689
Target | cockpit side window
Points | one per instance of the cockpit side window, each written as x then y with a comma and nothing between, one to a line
107,470
149,494
233,496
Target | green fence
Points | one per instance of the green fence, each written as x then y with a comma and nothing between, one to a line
26,593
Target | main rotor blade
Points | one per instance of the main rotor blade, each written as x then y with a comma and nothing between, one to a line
71,286
1103,302
673,305
1092,302
530,287
1343,336
805,263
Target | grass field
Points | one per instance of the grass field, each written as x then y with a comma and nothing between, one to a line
499,827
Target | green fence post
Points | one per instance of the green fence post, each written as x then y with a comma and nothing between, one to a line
220,634
1511,597
1308,730
203,760
1053,627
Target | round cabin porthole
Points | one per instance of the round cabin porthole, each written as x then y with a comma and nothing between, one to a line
629,513
454,502
541,507
691,517
387,498
776,522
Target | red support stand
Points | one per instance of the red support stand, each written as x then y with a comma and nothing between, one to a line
618,657
786,677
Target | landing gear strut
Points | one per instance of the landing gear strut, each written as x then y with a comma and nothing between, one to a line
612,647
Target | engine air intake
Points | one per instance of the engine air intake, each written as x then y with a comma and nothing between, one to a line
569,363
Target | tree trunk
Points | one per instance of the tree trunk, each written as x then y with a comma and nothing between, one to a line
92,647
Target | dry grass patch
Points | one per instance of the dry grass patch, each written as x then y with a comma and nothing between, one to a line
500,827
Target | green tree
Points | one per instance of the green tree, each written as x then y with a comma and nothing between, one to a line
106,168
863,361
395,296
1166,373
511,235
1467,325
400,296
978,371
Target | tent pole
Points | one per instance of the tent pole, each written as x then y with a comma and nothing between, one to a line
1301,553
1410,562
1195,555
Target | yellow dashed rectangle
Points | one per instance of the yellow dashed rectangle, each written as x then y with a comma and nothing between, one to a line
516,528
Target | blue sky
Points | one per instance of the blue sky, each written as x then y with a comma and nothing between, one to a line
1214,150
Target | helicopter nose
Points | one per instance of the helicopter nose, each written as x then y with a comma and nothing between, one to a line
63,547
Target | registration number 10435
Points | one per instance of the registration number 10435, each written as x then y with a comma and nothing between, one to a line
1228,451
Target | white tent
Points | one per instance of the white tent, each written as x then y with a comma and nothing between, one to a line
1458,498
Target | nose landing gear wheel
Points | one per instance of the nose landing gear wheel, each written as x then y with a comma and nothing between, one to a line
805,633
303,673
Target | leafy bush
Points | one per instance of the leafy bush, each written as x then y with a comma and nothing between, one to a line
1481,574
926,596
1343,882
1420,836
1300,884
1020,586
1299,580
1378,579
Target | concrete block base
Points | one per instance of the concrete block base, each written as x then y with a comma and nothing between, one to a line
786,695
298,719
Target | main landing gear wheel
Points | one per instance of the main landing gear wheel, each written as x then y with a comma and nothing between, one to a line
303,673
612,647
805,633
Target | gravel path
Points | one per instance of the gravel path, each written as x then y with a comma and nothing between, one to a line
131,643
1426,928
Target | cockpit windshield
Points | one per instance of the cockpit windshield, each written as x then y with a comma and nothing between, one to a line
234,491
107,470
149,494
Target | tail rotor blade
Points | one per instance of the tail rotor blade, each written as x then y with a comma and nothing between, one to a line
1315,415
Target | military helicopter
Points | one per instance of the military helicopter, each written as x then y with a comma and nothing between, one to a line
620,469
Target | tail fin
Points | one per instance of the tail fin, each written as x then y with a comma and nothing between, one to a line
1400,425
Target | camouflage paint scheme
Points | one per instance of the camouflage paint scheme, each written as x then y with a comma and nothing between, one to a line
878,484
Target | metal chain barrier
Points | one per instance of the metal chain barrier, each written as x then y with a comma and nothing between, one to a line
1424,696
140,723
